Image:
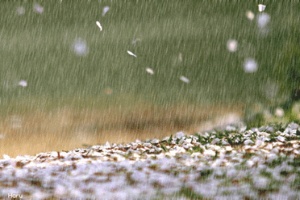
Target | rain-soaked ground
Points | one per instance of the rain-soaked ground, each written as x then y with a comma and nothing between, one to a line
83,72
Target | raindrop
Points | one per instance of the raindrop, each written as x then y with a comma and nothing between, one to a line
261,7
38,8
180,58
149,70
2,136
263,20
184,79
80,47
99,25
271,90
250,15
132,54
22,83
105,10
16,122
250,65
134,41
20,10
232,45
108,91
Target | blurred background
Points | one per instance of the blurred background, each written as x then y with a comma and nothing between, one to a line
147,69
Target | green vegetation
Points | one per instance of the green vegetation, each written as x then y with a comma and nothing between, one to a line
174,38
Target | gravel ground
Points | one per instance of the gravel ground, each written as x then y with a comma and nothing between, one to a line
235,163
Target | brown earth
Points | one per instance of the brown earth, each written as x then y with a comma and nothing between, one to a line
67,128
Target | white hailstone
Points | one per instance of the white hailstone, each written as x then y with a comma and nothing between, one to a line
261,7
99,25
247,142
231,173
263,20
280,138
232,45
149,70
261,182
250,65
22,83
279,112
7,157
38,8
209,152
216,141
184,79
179,134
155,141
132,54
20,10
107,144
250,15
105,10
80,47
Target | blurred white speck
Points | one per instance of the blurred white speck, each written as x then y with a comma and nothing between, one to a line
2,136
250,15
16,122
99,25
130,53
134,41
261,7
250,65
180,58
271,90
263,19
260,182
184,79
149,70
279,112
80,47
108,91
105,10
22,83
38,8
232,45
280,138
6,156
180,134
20,10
